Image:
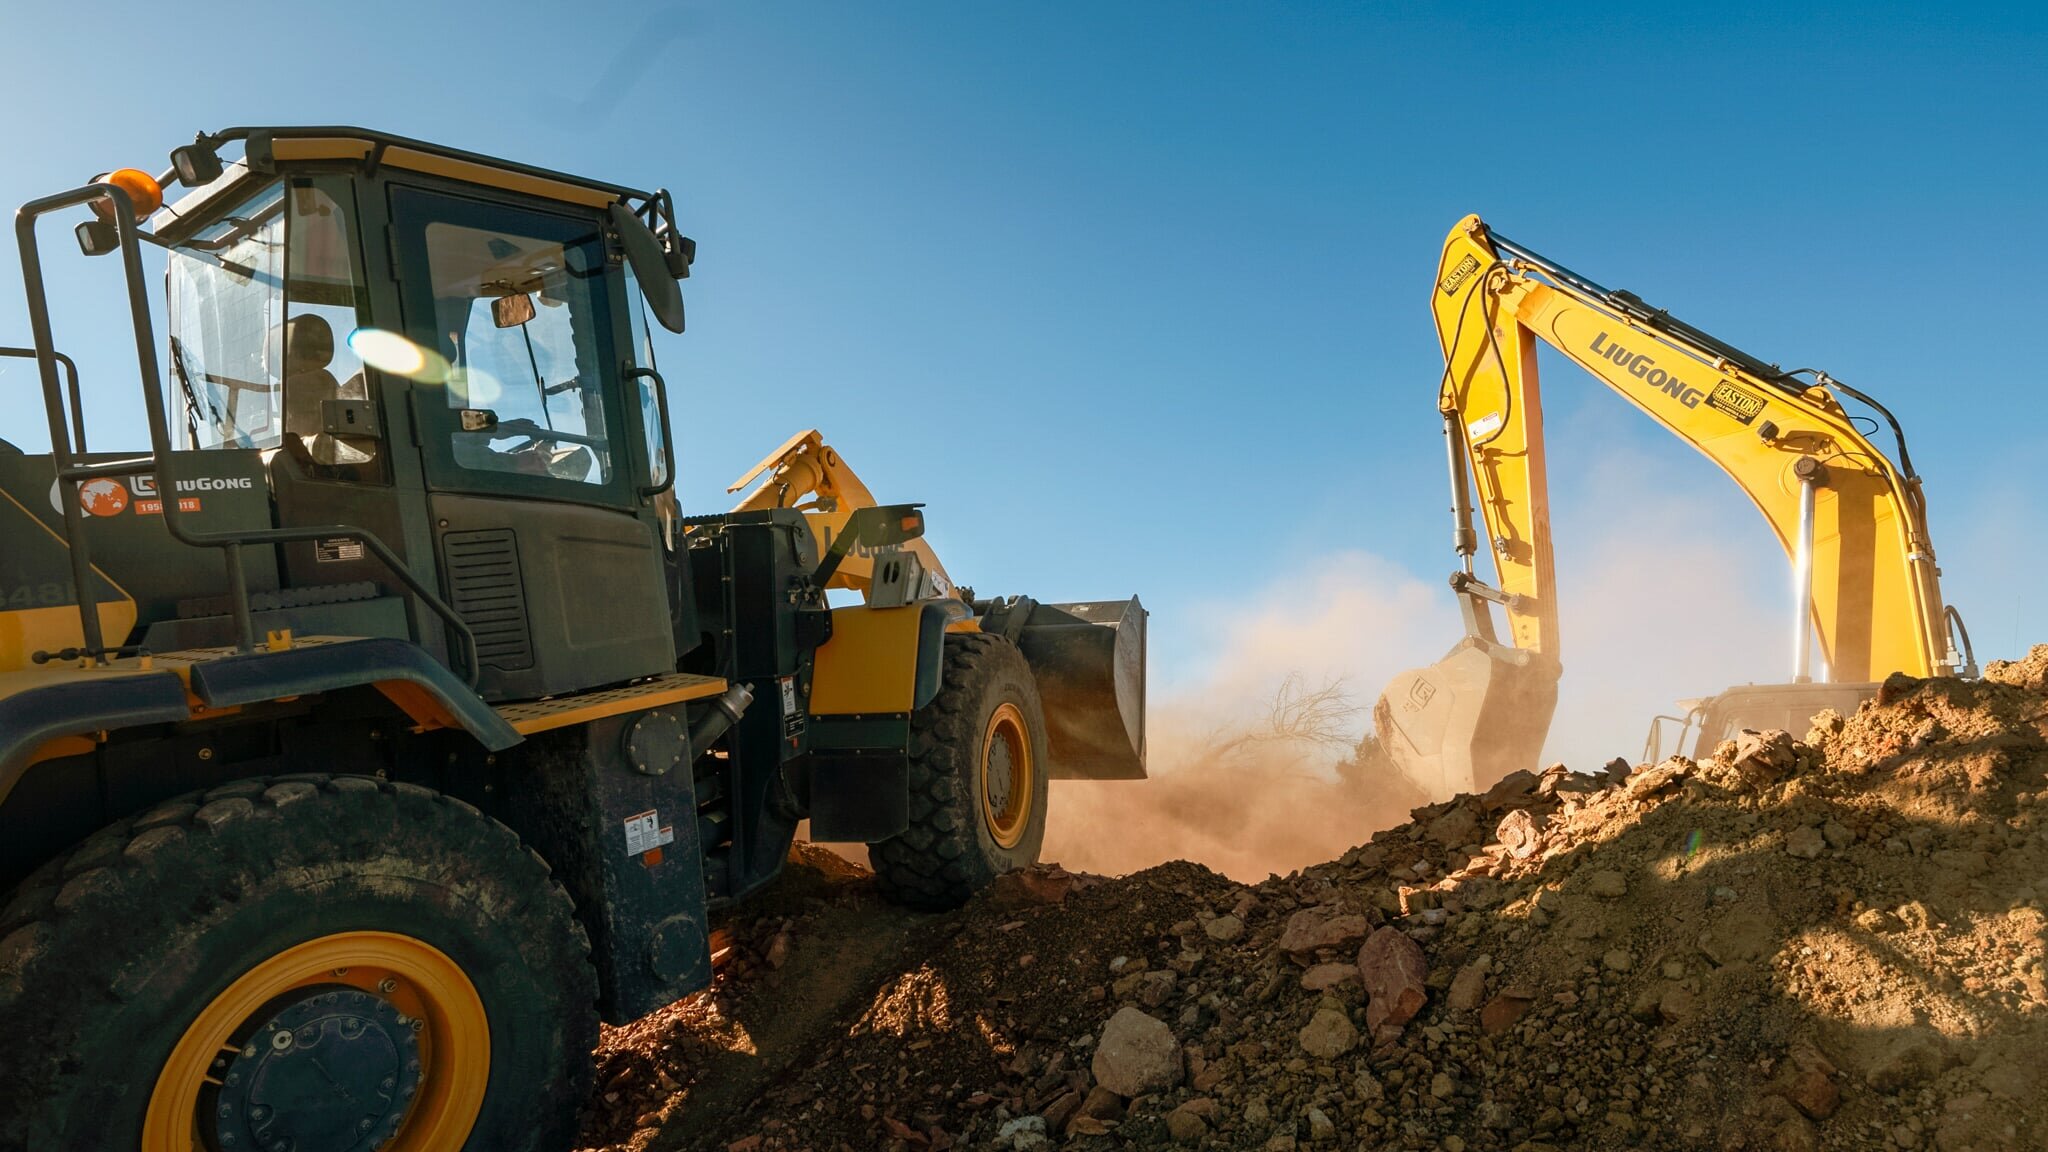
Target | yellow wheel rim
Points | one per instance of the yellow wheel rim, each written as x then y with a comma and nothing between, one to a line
416,978
1006,776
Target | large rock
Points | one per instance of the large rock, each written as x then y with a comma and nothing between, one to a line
1328,1034
1455,828
1309,930
1137,1054
1806,843
1914,1055
1395,973
1224,929
1762,757
1503,1010
1607,884
1322,977
1519,834
1468,987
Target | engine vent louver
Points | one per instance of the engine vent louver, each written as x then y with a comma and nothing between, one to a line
484,584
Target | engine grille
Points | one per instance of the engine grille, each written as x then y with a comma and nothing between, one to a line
485,587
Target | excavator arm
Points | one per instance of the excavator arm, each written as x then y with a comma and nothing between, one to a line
1852,521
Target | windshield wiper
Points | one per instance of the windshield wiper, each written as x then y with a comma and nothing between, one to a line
191,396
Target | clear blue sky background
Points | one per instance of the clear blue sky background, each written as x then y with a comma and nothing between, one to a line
1133,295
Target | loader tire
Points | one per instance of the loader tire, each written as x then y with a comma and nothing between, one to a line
977,780
295,962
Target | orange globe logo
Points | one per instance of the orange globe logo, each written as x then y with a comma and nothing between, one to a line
102,496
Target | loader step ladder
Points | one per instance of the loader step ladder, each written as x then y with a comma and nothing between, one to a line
562,711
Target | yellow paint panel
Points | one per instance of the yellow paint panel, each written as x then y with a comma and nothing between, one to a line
495,177
561,712
412,159
61,747
27,631
319,148
870,664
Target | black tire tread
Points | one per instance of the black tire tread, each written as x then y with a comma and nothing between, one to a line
47,945
936,864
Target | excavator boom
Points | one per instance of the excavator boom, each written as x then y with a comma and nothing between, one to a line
1852,521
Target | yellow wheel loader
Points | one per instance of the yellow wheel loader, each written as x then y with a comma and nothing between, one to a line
383,725
1851,519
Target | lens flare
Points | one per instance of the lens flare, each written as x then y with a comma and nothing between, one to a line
474,388
389,352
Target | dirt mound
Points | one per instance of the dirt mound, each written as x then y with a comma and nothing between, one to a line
1834,942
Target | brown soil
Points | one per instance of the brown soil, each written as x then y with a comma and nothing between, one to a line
1834,942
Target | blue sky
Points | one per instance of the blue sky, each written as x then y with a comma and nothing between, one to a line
1133,295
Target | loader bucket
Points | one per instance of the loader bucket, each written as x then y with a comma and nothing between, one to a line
1089,661
1469,719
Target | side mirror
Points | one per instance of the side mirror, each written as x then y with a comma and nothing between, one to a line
512,311
650,267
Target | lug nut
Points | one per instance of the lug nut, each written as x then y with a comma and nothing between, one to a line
387,985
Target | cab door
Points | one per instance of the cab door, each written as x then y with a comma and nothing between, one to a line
514,316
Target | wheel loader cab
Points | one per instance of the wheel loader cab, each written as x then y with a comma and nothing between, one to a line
442,362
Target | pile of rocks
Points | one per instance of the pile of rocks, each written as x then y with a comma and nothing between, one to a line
1827,942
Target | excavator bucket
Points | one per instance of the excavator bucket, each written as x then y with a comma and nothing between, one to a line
1089,662
1469,719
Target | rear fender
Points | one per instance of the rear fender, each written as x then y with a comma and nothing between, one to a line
53,704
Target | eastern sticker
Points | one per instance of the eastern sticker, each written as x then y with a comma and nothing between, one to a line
1456,276
1731,401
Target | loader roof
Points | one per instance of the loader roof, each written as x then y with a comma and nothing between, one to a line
266,147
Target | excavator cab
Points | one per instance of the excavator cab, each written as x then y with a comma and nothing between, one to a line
1703,724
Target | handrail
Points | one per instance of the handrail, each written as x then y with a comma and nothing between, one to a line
161,461
71,384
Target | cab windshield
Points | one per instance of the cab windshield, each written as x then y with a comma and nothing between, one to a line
522,331
262,303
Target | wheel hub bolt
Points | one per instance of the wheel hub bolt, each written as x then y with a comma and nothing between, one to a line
387,985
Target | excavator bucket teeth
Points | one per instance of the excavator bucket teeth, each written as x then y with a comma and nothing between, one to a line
1089,661
1464,722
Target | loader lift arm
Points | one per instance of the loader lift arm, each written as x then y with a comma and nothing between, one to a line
1852,521
808,475
1087,658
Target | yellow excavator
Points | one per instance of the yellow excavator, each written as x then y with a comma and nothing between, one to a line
1852,520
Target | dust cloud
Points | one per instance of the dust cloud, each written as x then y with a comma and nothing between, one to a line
1247,755
1250,742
